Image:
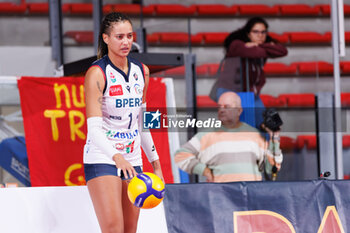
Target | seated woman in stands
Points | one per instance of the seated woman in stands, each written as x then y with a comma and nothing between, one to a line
242,69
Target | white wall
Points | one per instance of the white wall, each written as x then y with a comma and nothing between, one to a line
26,61
61,210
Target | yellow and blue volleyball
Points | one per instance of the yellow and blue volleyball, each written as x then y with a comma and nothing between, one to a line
146,190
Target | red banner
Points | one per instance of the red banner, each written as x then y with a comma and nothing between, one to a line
54,121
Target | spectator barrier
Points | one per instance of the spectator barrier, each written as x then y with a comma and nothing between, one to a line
270,207
240,207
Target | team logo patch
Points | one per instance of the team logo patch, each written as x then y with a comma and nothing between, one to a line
116,90
111,75
115,117
122,135
130,147
138,89
135,76
151,120
119,146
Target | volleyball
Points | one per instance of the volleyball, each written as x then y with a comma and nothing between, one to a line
146,190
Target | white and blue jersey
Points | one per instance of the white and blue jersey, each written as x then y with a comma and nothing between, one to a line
121,106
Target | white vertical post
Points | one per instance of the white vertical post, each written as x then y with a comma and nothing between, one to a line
173,134
341,28
337,102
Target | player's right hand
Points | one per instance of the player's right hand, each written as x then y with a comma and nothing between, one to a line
128,170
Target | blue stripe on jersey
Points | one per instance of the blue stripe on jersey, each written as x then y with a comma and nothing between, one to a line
139,64
102,62
126,76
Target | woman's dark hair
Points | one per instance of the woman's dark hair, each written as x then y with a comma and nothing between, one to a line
242,33
105,28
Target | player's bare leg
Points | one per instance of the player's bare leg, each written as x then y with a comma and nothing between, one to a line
131,212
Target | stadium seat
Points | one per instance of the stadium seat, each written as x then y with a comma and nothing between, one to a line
177,71
308,37
202,70
346,141
66,8
345,99
204,101
326,10
310,141
82,37
347,37
174,10
280,69
173,38
284,38
213,69
85,37
299,10
313,68
217,38
149,10
258,9
81,8
298,100
197,39
284,100
153,38
214,38
87,8
129,9
345,67
71,34
38,8
346,34
107,8
11,8
287,143
216,10
209,70
271,101
178,38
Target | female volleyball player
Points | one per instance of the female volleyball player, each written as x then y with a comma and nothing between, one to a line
115,89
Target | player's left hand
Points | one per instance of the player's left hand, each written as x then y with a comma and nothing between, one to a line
157,169
159,173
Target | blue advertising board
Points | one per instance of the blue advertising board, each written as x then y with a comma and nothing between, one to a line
321,206
13,158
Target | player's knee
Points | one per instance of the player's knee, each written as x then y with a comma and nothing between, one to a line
113,227
131,230
131,227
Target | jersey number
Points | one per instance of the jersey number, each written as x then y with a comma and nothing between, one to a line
130,115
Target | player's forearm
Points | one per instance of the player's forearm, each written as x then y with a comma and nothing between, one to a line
156,164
